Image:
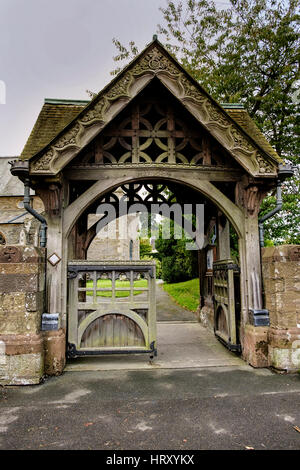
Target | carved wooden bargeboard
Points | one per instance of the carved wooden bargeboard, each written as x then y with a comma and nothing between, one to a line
153,63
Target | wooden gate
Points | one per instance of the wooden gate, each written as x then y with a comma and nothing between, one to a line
226,303
111,308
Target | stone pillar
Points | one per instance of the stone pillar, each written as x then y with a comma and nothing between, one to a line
255,345
21,308
281,278
54,351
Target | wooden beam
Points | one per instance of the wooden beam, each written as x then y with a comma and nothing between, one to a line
202,172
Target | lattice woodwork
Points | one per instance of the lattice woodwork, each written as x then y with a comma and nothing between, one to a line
154,131
141,193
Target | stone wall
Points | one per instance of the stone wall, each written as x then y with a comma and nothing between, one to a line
26,352
281,277
113,241
118,250
21,307
25,229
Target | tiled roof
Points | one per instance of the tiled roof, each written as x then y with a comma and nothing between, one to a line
242,118
53,117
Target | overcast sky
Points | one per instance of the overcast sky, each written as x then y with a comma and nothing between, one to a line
58,49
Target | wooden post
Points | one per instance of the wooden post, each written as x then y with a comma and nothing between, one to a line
254,338
223,238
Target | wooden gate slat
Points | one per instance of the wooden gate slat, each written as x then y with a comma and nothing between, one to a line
224,302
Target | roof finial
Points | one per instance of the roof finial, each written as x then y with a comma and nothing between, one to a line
154,37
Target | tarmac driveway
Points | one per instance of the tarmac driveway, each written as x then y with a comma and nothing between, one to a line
198,408
196,395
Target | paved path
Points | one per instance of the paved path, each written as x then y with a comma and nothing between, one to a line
168,310
181,343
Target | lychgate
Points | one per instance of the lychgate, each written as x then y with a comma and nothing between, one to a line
152,127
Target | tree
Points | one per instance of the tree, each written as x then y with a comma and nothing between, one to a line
284,226
145,248
178,263
246,53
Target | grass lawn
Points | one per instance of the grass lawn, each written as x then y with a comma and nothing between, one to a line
185,293
106,283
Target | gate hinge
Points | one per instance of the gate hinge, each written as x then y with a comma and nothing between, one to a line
72,274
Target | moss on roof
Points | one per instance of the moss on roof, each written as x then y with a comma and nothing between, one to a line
242,118
53,117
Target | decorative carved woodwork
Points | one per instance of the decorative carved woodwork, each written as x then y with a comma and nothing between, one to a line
44,162
147,194
52,198
150,133
249,195
155,62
